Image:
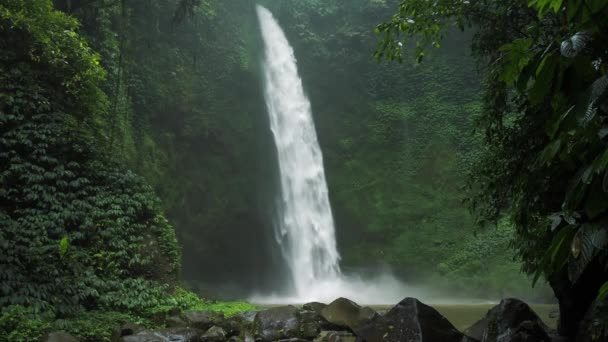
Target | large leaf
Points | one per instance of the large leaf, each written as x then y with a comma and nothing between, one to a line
544,78
588,242
517,55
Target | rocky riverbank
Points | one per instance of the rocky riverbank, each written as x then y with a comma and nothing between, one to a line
340,321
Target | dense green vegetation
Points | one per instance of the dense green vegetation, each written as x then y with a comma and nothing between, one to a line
544,124
118,117
186,112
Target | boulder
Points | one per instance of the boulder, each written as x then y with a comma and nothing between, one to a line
476,330
176,322
166,335
411,321
513,321
59,336
203,319
345,313
314,306
276,323
214,334
125,330
335,336
310,324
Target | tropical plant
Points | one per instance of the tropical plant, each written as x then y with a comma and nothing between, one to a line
78,230
545,126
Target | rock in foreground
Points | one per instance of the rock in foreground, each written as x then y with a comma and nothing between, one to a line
411,321
513,321
345,313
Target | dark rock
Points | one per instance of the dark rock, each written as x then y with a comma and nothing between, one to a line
176,322
514,321
235,339
203,319
411,321
247,316
125,330
335,336
143,336
310,324
348,314
214,334
295,339
476,330
314,306
276,323
166,335
59,336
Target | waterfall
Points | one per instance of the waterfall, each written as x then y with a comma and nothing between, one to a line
305,226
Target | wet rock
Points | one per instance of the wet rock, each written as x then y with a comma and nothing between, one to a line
411,321
314,306
348,314
476,330
335,336
59,336
176,322
166,335
214,334
310,324
125,330
203,319
276,323
514,321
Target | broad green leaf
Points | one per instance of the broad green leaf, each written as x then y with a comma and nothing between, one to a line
544,78
549,152
517,55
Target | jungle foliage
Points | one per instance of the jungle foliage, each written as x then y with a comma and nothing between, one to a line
544,125
78,231
106,105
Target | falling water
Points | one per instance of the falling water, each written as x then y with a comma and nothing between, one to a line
305,227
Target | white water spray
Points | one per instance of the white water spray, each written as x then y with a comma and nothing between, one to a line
305,227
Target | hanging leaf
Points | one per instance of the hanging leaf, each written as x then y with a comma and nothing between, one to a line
574,45
549,152
517,55
544,78
572,8
576,245
553,126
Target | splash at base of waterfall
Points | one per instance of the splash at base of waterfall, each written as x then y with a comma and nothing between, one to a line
381,290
